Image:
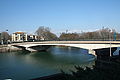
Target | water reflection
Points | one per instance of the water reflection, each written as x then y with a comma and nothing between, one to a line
64,58
24,65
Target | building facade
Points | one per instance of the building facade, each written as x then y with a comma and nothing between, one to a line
32,37
19,37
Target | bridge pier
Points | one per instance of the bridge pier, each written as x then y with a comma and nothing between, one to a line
30,49
91,51
37,48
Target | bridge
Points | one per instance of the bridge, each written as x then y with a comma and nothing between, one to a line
89,45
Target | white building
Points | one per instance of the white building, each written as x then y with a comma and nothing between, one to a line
19,37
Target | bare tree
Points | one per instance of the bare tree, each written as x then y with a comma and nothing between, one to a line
5,37
44,33
102,34
69,36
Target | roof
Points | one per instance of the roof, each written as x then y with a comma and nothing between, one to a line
19,32
32,35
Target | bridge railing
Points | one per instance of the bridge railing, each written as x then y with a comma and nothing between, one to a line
69,40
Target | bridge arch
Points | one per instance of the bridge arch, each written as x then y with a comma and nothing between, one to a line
89,45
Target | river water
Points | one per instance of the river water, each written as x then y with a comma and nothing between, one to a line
23,65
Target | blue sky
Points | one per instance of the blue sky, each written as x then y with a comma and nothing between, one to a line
59,15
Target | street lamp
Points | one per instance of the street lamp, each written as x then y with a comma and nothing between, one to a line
66,31
110,41
66,34
114,36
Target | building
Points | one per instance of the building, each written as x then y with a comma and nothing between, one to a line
19,37
32,37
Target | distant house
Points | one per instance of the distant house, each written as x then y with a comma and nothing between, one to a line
32,37
19,37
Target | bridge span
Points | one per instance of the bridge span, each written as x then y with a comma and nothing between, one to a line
89,45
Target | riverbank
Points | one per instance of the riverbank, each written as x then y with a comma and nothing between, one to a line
58,76
103,70
7,48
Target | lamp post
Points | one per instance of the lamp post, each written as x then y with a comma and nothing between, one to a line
110,42
66,31
66,34
114,36
0,38
8,38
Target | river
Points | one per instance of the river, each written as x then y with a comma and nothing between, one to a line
23,65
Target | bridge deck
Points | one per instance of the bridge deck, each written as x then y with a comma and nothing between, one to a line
72,42
90,45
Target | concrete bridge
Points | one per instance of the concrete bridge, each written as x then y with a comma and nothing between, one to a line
89,45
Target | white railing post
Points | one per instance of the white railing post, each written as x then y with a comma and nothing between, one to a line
110,49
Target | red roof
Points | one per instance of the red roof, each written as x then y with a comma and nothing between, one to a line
19,32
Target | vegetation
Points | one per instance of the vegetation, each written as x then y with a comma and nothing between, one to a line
103,70
44,33
69,36
109,71
102,34
4,37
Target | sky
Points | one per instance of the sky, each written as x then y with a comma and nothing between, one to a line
59,15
